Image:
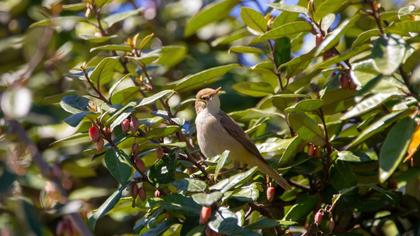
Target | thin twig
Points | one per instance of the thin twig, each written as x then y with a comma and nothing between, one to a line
101,96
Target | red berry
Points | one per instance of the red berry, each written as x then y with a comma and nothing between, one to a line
319,216
313,150
107,132
271,192
134,124
140,165
134,149
99,145
210,232
125,125
142,194
157,193
94,133
318,39
331,225
134,190
205,215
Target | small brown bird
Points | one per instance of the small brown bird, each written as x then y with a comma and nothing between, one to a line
217,132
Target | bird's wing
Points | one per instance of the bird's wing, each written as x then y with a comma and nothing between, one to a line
235,131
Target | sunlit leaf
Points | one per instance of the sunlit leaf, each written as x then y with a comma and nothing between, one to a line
210,13
254,20
307,128
388,53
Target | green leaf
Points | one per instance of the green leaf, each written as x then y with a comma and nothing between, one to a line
212,12
388,53
171,55
163,171
377,127
249,193
74,104
74,7
245,49
306,128
286,30
238,179
367,105
202,78
123,90
265,223
160,228
226,222
112,47
228,39
117,166
342,176
302,208
104,71
207,199
253,89
334,37
395,147
352,157
220,163
365,36
305,105
289,8
190,185
328,6
57,21
155,97
292,149
145,58
282,51
404,27
110,202
337,100
180,204
75,119
327,21
117,17
254,20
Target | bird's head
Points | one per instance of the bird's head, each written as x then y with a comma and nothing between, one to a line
207,98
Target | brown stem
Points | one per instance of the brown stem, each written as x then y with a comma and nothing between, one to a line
101,96
376,16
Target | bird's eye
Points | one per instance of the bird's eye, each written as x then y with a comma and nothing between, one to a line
205,98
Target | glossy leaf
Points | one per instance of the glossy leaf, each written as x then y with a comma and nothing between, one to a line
253,89
117,166
300,210
222,160
74,104
289,8
334,37
245,49
103,72
395,147
388,53
110,202
238,179
202,78
207,199
328,6
210,13
254,20
117,17
285,30
376,127
306,128
155,97
367,105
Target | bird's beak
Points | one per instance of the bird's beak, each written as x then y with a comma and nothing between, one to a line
219,91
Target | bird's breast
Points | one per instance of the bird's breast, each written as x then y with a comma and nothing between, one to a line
213,139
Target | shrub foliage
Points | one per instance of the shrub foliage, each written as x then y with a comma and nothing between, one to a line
328,90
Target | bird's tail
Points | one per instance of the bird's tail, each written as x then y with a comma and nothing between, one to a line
266,169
